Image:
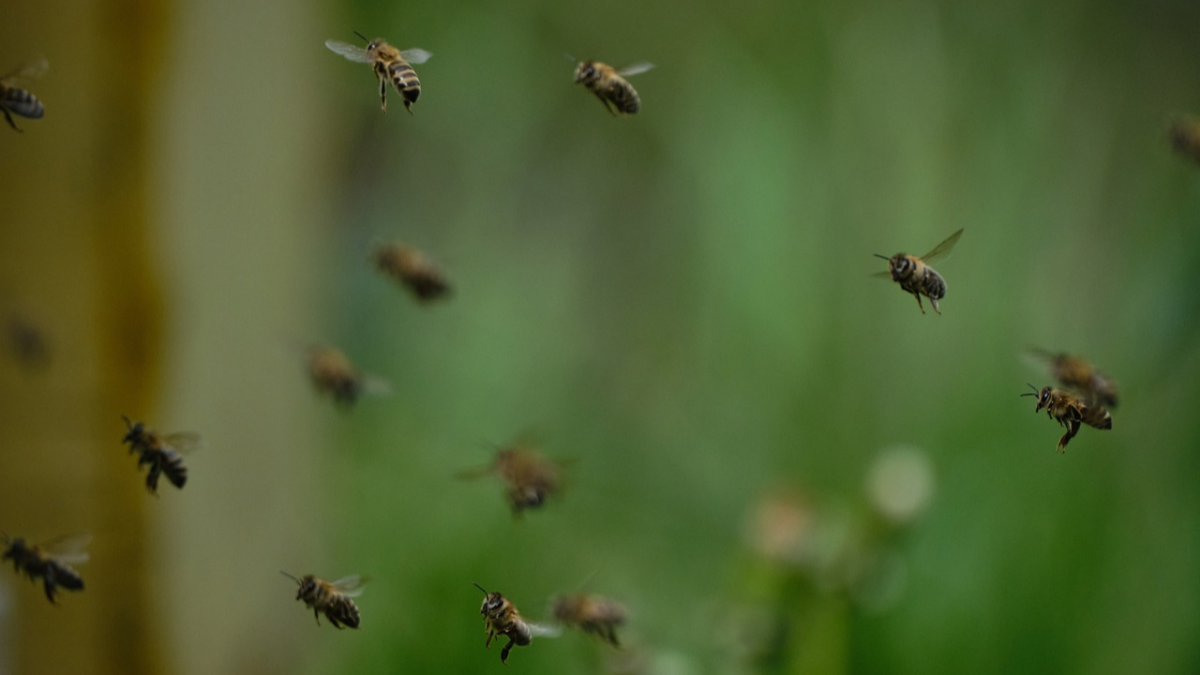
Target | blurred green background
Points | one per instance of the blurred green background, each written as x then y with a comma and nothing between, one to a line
678,303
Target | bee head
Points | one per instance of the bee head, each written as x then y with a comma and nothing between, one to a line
493,603
1043,397
135,431
12,547
307,584
585,72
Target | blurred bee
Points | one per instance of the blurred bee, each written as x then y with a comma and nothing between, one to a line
500,617
411,268
15,101
27,342
332,373
1069,412
610,86
1184,134
332,598
916,276
49,561
388,63
528,476
162,453
1077,374
591,613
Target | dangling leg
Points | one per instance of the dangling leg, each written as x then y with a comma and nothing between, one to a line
918,297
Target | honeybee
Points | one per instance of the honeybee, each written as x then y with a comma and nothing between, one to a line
16,101
1076,373
332,373
610,86
500,617
332,598
528,476
592,613
1184,135
916,276
388,63
413,269
162,453
50,561
1069,412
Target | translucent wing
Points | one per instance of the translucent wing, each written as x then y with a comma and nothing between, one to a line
635,69
542,630
350,586
373,385
348,50
943,249
883,275
415,56
68,548
184,441
29,70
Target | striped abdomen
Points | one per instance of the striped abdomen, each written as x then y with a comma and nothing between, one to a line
934,286
21,102
404,79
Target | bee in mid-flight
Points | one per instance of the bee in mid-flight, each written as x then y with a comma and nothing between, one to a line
49,561
591,613
1184,134
500,617
528,476
162,453
413,269
916,276
334,374
388,63
1069,411
1077,374
16,101
331,597
610,86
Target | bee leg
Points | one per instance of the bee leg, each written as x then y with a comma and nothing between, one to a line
504,652
1072,429
918,297
48,583
933,301
11,123
383,93
317,615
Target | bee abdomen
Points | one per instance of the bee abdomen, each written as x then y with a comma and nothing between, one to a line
624,97
1097,416
405,80
935,286
343,611
23,103
174,469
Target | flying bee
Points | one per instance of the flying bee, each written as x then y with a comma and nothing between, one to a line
610,86
50,561
529,478
500,617
334,374
916,276
1069,411
388,63
162,453
1076,373
591,613
1184,135
16,101
332,598
413,269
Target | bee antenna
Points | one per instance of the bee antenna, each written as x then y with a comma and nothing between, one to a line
364,37
1034,393
881,256
289,576
481,588
128,423
570,58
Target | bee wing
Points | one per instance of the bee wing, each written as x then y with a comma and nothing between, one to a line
635,69
415,56
183,441
543,630
349,51
69,548
943,249
351,586
882,275
373,385
29,70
